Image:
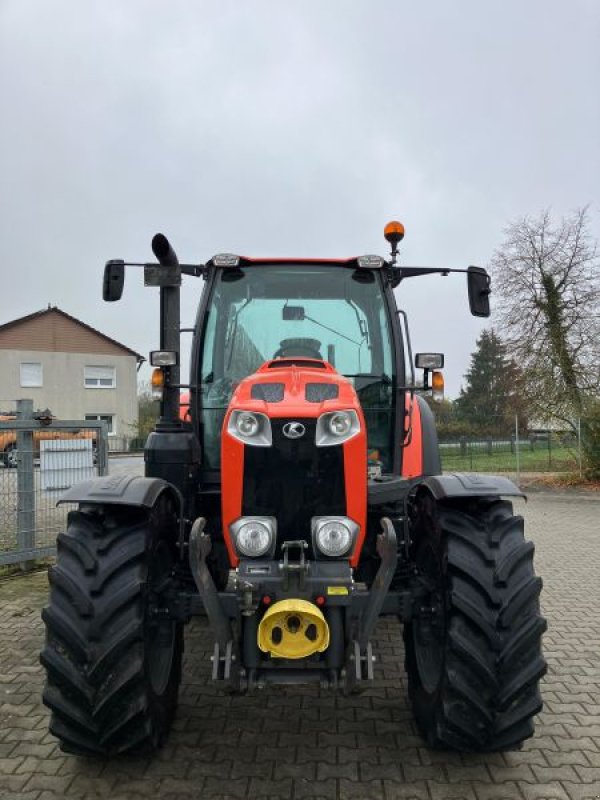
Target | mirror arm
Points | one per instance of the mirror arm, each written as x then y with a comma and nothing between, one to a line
195,270
415,272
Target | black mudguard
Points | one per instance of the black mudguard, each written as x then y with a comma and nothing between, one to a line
126,490
461,484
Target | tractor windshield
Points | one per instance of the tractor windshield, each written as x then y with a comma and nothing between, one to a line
327,312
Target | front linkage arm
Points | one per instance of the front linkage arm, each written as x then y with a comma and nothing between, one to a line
359,665
226,663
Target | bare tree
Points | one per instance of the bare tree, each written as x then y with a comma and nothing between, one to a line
547,277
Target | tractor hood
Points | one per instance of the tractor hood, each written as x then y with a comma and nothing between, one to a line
294,450
287,387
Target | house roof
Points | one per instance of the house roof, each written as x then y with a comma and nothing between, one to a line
54,310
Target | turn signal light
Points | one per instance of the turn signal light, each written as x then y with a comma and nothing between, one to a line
437,386
157,382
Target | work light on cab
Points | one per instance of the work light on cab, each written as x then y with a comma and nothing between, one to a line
163,358
370,262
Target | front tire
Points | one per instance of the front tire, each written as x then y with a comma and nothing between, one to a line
473,648
113,666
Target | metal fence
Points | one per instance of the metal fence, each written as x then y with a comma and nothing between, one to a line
39,460
125,444
513,448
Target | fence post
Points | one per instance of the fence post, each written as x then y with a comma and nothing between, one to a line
102,450
25,483
517,448
579,453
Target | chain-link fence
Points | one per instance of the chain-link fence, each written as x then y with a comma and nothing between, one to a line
39,459
511,447
125,444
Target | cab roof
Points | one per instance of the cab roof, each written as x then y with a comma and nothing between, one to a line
353,262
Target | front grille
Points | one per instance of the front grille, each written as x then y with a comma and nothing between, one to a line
269,392
319,392
294,481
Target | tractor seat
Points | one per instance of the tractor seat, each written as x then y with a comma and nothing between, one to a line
303,348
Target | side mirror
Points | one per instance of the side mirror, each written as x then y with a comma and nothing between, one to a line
478,283
114,279
292,312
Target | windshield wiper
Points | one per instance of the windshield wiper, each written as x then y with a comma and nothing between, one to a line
383,378
234,329
332,330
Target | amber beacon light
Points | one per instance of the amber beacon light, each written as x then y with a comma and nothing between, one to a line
394,232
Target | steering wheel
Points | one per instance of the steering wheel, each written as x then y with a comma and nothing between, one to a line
303,348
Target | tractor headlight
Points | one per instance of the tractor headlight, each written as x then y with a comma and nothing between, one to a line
333,536
254,536
247,424
336,427
250,427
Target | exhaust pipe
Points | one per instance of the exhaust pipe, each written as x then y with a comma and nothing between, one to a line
169,332
165,255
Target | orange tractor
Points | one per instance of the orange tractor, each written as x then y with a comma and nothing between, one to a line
294,496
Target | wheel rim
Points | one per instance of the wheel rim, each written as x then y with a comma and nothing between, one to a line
428,627
161,632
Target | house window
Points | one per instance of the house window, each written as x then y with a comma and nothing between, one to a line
99,378
32,373
108,418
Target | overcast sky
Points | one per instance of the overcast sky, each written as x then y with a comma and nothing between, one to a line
286,128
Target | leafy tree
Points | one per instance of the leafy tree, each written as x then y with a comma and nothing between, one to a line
449,424
492,394
590,438
148,410
547,278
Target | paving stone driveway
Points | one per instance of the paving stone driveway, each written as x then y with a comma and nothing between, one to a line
303,744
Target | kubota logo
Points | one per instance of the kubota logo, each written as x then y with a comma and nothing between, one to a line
294,430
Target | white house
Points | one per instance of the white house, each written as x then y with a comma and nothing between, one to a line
70,368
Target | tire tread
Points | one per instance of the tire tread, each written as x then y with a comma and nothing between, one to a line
488,694
97,687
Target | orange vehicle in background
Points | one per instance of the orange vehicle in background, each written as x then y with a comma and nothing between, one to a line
8,439
184,407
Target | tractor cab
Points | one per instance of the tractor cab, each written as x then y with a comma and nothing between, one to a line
335,313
